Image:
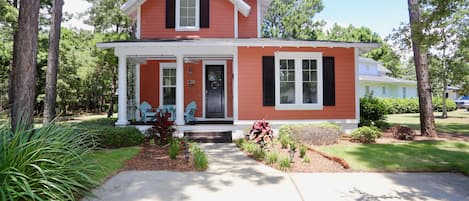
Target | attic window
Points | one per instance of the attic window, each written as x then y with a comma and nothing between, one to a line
187,15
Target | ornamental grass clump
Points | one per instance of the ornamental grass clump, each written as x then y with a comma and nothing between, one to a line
200,161
284,163
48,163
174,148
271,158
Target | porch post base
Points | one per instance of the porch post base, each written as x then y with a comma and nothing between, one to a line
121,124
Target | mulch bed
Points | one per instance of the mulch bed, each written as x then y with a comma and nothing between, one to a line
154,157
319,162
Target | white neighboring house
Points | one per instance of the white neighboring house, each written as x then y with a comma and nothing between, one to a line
374,79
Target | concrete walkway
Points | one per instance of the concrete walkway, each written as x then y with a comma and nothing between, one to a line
233,176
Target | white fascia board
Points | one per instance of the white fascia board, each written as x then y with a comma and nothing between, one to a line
242,6
131,5
242,43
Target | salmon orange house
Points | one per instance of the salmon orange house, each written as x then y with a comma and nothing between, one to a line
210,52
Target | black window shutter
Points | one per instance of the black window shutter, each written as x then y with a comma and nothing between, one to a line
204,13
328,78
170,14
268,80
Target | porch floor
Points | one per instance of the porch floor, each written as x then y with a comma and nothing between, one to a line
207,122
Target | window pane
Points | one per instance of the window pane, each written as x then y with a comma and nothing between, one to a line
314,76
291,64
287,92
283,64
313,65
305,64
283,75
191,22
191,3
291,75
310,92
169,96
306,76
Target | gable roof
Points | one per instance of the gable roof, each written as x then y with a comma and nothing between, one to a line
381,68
131,6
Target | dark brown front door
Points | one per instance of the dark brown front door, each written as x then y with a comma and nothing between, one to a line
214,91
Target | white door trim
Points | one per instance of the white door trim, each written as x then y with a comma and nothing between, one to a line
214,62
167,65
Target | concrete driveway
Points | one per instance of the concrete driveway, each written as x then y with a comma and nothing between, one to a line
233,176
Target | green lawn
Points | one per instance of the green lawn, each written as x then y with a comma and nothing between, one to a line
408,156
457,121
112,160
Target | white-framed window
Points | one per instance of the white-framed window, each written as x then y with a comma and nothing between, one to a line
187,15
404,92
167,84
298,81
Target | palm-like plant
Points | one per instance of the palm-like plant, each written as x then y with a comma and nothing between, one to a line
48,163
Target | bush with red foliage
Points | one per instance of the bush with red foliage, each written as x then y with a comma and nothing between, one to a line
261,132
163,128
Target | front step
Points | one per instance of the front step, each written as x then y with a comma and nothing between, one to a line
209,136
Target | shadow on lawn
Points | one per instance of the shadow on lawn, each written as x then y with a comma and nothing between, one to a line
418,157
415,156
457,128
166,185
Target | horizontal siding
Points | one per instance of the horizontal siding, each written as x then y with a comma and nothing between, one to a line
248,25
221,21
250,86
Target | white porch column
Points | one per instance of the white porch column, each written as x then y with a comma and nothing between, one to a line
137,91
122,90
235,86
179,90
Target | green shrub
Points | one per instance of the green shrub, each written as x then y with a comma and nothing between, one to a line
366,134
303,150
285,141
117,137
292,146
382,124
284,163
249,147
109,136
258,153
173,149
200,161
438,104
271,158
411,105
314,134
306,159
239,143
48,163
371,110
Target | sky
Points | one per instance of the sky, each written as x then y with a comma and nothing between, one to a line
381,16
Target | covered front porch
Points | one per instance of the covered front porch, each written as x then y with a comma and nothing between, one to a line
172,77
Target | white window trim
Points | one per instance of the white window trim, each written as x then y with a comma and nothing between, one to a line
298,56
165,66
197,17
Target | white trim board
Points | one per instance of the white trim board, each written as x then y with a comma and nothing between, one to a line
299,57
164,66
197,18
214,62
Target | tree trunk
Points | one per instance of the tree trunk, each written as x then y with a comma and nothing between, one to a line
427,120
53,62
444,108
113,92
23,76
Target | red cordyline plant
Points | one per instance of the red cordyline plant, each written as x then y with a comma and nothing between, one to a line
261,132
164,126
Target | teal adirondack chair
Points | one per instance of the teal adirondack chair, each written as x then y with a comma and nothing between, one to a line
189,114
170,109
147,112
